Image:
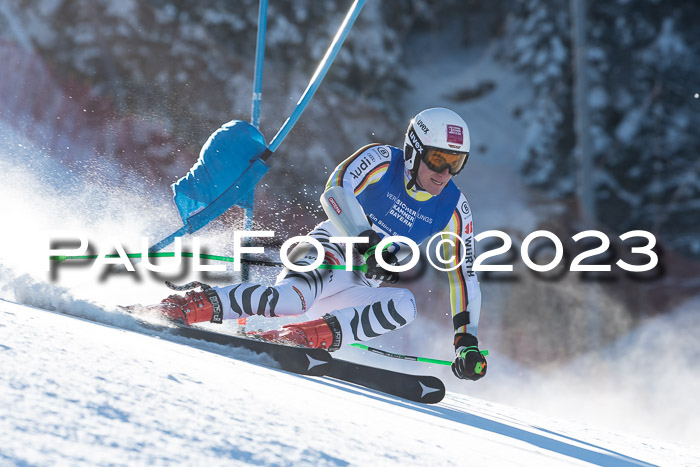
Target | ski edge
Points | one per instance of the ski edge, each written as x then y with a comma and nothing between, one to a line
417,388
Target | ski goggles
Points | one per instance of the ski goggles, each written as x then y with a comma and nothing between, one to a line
438,160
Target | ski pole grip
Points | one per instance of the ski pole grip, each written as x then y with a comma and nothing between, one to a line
478,368
370,251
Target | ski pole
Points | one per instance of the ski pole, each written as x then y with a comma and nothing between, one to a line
161,254
411,357
171,254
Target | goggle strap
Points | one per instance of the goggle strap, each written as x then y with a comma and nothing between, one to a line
416,142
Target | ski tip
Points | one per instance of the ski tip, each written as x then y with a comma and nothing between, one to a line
432,390
317,367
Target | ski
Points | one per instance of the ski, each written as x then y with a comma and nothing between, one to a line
304,361
312,362
301,360
425,389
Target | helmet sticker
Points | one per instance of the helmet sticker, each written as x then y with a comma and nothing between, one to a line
455,134
422,126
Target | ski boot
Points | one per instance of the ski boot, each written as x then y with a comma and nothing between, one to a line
321,333
194,307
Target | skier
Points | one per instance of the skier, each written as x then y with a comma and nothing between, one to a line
378,191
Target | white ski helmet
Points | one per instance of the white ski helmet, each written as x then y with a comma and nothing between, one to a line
438,137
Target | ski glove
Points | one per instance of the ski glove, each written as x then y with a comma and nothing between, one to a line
469,363
374,270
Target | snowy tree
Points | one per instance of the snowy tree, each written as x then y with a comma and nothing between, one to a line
538,43
642,66
645,70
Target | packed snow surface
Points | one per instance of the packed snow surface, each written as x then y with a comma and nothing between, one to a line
76,392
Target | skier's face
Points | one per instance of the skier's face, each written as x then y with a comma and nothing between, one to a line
432,182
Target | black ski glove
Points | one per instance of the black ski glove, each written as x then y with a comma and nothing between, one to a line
374,270
469,363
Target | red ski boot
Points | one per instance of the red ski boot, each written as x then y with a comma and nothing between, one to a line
321,333
194,307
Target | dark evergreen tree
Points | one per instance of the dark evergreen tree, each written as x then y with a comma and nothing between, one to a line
642,69
538,42
645,67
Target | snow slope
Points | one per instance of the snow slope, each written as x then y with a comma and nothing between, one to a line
74,392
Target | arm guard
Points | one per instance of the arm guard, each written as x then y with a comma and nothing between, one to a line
344,211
